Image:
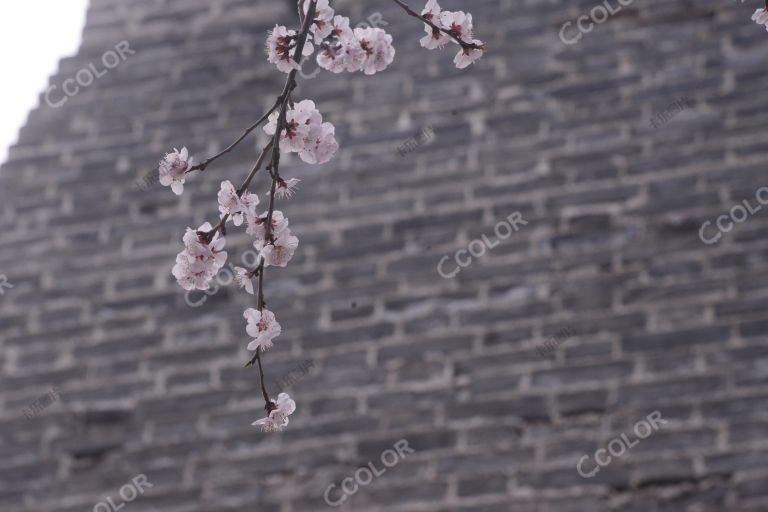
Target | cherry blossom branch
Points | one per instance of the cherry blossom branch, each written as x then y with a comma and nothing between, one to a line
299,128
450,33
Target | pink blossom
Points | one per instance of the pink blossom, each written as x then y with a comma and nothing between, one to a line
244,279
458,23
434,38
277,419
286,188
467,56
280,252
320,145
173,169
263,327
281,43
258,229
305,133
297,125
341,29
322,25
761,17
379,52
343,52
237,207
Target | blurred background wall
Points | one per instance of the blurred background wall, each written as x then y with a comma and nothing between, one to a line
607,305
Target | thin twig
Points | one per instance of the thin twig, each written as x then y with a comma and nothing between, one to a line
255,170
208,161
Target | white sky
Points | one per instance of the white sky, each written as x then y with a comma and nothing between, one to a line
35,35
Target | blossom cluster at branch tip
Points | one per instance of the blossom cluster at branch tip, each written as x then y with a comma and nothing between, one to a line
459,24
200,261
277,417
305,133
173,169
761,17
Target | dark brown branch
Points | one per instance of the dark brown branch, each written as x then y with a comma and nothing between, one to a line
257,359
208,161
255,170
464,44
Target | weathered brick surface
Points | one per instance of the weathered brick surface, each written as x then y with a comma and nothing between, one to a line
655,319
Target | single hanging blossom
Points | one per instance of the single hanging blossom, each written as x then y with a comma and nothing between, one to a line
286,188
263,327
173,169
199,262
379,52
434,38
761,17
257,226
244,279
277,418
280,252
281,43
467,56
238,208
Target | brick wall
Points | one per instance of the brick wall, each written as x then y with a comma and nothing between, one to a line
603,308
